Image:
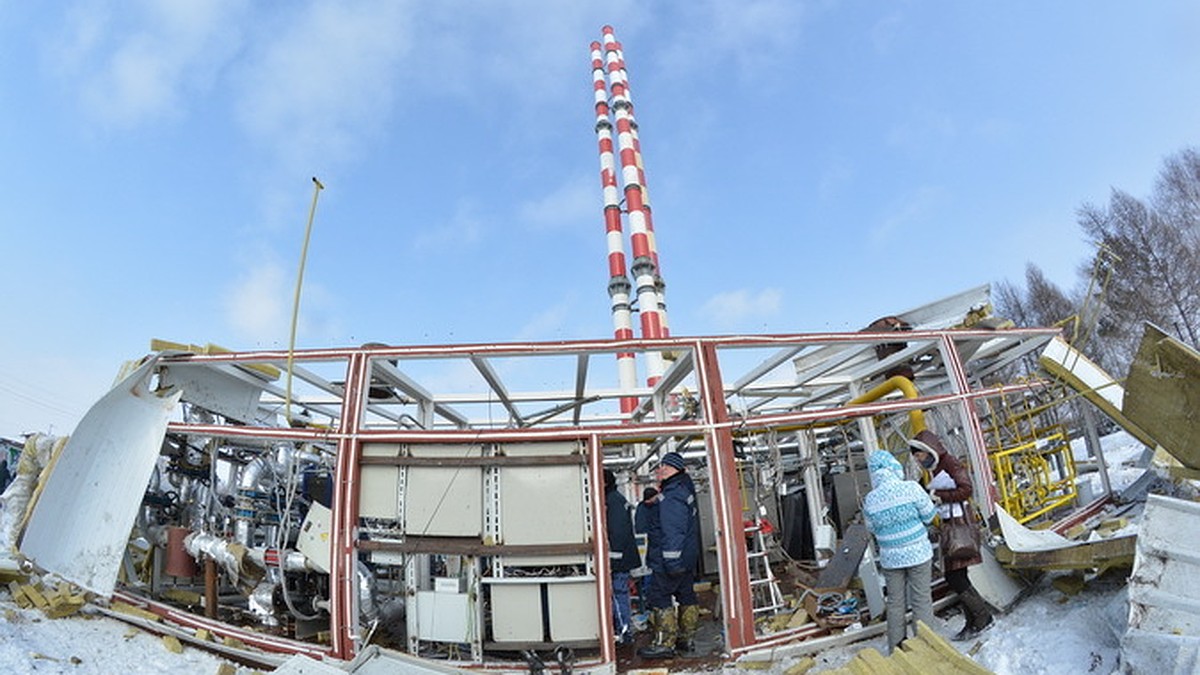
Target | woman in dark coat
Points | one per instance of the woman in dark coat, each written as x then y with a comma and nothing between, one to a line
949,485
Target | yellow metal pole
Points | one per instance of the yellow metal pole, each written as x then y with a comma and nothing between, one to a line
312,212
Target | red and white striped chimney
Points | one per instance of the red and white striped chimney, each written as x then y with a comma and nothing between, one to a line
621,81
618,284
645,270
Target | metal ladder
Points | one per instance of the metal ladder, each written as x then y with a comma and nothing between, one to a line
764,586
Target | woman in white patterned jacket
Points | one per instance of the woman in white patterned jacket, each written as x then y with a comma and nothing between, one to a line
897,512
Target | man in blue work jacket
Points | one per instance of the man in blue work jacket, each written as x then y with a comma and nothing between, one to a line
674,562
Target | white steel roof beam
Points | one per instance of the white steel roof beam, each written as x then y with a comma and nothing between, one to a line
493,379
391,375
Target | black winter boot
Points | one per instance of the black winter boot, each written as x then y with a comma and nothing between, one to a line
979,615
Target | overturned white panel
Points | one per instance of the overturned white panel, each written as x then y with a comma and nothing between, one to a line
1022,539
82,520
214,389
1064,361
1164,598
1163,593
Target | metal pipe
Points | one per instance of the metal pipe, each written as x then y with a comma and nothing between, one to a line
210,588
618,284
248,486
622,80
904,386
312,212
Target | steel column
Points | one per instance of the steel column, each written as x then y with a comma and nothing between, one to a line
343,614
984,482
736,600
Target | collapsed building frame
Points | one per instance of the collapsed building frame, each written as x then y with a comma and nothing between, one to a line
463,481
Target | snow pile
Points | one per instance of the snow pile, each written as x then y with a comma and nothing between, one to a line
88,645
1046,633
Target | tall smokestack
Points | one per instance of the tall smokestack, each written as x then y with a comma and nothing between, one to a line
618,283
620,80
645,271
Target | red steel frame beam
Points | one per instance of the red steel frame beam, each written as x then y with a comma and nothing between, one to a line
343,615
736,601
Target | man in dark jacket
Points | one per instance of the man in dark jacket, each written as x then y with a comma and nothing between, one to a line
673,560
645,524
622,556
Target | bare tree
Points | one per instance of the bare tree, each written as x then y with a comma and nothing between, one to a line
1156,276
1148,253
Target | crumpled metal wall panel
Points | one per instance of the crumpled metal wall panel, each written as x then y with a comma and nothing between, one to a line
1164,599
82,520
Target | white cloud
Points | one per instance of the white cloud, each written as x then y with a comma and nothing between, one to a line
138,62
575,202
522,49
751,34
258,308
258,305
732,309
324,78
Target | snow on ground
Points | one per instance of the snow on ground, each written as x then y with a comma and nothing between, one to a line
1045,633
88,645
1122,453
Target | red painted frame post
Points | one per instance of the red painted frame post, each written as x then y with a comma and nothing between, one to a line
736,601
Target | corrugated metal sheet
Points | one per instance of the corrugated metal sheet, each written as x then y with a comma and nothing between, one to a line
1163,635
81,522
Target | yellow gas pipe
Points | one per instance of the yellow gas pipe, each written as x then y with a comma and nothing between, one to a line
906,387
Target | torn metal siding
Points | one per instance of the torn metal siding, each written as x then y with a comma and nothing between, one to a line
1164,599
81,522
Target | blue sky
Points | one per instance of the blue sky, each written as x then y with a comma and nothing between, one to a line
812,166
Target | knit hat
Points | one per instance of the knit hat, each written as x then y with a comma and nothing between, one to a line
672,459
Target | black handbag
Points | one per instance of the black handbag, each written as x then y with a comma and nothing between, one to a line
960,538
